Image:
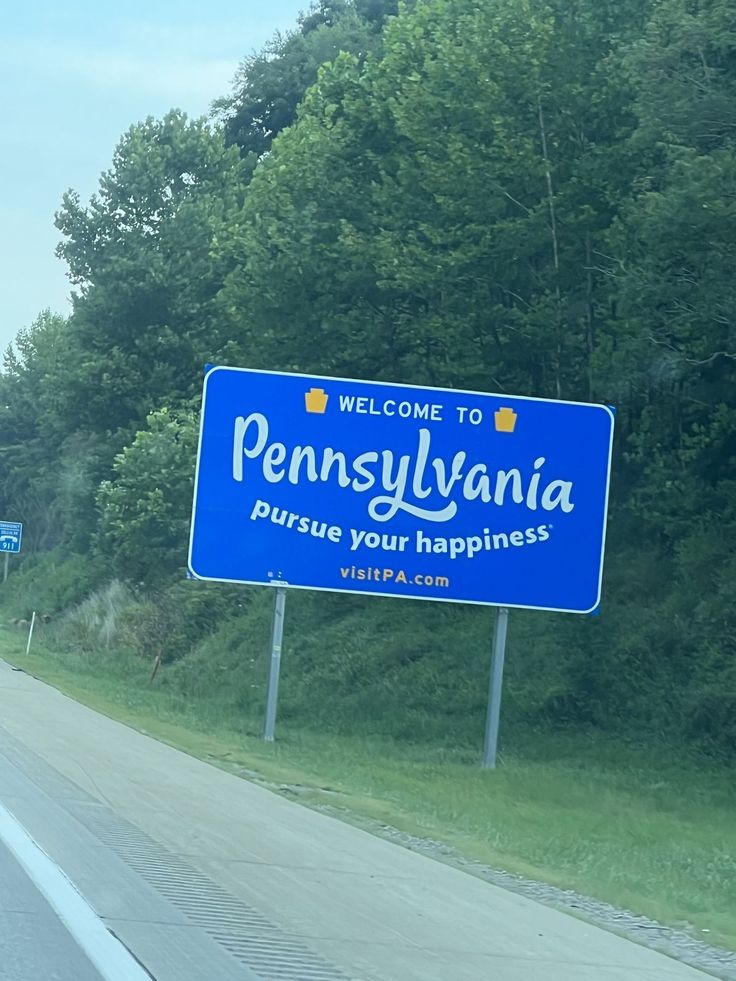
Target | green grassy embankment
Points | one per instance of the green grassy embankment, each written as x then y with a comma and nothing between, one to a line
644,831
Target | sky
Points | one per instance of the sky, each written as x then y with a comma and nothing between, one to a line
74,76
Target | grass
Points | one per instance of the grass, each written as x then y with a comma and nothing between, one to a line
637,828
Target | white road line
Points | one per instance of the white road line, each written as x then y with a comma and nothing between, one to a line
107,954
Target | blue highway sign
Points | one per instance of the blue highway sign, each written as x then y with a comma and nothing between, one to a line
11,533
395,490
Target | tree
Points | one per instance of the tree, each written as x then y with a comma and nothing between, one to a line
147,258
683,66
674,244
434,215
271,83
145,508
33,477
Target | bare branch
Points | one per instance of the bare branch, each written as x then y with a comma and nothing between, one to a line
711,359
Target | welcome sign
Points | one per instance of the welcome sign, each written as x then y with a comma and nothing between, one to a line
366,487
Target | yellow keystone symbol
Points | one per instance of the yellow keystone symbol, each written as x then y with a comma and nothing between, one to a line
316,400
505,420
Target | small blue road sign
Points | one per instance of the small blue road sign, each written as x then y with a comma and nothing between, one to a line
11,533
394,490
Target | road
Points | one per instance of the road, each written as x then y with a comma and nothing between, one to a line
34,944
207,877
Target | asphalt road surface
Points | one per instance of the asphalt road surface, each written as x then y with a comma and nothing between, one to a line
204,876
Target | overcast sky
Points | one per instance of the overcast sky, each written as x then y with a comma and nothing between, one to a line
74,75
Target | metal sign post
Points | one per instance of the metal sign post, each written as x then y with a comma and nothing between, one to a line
277,636
5,570
495,685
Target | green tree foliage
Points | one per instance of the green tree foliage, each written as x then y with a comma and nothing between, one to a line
529,196
144,509
673,360
271,83
143,258
446,201
676,242
49,469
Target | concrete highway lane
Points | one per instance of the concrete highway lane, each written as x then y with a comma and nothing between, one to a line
34,944
207,877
